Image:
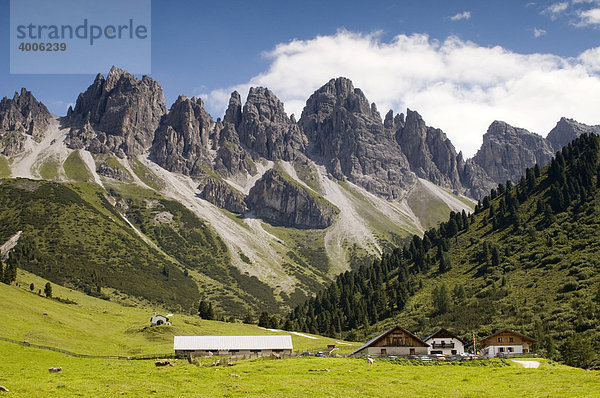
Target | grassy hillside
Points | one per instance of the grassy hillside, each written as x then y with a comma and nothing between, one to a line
73,236
4,167
535,269
527,259
98,327
161,253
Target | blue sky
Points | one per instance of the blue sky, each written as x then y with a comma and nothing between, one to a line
208,48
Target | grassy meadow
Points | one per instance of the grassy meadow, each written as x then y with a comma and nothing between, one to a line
24,371
98,327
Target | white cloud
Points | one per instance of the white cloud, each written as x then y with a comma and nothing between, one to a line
455,85
588,17
538,32
555,9
461,15
590,59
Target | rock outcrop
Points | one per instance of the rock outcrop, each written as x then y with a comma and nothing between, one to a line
507,151
278,199
23,114
222,195
474,179
266,130
566,130
430,153
117,173
347,135
118,114
231,157
181,142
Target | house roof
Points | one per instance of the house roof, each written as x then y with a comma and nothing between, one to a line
382,335
441,331
278,342
510,331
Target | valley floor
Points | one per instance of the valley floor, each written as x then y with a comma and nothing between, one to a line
24,371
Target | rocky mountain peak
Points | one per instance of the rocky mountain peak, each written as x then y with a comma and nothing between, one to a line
415,124
566,130
430,153
181,142
349,137
122,111
388,121
23,114
507,151
266,130
265,105
233,114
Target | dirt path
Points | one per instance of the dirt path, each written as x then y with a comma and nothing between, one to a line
528,364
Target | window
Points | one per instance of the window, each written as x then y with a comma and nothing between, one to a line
499,339
501,349
412,351
383,351
453,352
510,349
510,339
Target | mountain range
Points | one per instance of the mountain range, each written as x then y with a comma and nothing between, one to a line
257,208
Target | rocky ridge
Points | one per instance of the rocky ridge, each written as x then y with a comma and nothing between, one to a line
566,130
347,135
338,129
181,142
222,195
118,114
507,151
279,199
23,114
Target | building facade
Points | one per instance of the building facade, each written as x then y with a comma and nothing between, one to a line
445,342
506,342
393,342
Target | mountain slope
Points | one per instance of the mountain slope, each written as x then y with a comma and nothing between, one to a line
527,259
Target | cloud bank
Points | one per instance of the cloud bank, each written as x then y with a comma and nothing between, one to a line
455,85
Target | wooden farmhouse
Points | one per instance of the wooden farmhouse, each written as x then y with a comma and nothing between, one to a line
506,342
445,342
395,341
233,345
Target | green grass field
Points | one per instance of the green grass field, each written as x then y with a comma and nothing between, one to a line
24,371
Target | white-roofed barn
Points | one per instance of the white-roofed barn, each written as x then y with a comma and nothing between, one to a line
233,345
